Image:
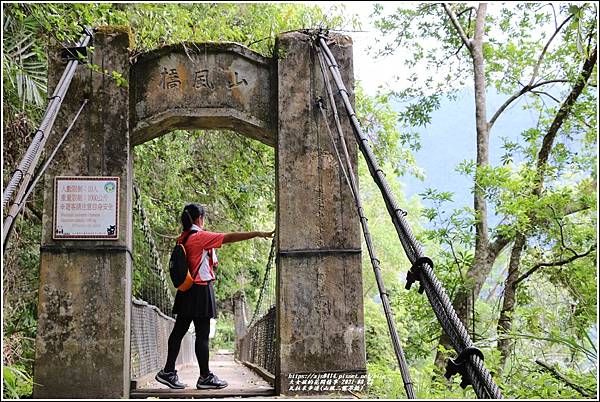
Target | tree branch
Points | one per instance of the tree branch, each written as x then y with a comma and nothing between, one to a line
553,264
588,66
463,36
530,85
536,68
526,88
562,234
501,242
498,245
539,93
465,10
564,379
561,116
540,83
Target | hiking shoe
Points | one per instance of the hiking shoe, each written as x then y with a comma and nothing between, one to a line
211,381
171,379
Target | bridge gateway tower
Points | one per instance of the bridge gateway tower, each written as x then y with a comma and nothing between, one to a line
84,311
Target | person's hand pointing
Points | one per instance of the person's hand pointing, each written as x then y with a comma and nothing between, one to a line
266,235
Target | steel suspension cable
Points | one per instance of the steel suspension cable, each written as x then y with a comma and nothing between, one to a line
480,377
265,284
348,173
24,192
162,292
24,170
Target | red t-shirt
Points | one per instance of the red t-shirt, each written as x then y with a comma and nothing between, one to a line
195,246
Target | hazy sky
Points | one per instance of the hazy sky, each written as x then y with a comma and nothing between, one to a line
370,71
450,138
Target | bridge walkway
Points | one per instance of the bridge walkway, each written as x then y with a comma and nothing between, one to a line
243,382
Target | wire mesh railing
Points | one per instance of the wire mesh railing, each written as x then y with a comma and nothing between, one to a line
266,297
257,346
150,330
150,279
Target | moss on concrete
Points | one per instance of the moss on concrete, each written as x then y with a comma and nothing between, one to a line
117,29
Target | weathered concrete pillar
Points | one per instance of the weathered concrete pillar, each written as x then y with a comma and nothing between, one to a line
239,319
82,344
320,307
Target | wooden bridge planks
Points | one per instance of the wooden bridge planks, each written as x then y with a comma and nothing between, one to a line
242,382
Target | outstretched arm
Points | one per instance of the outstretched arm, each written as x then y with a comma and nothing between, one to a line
239,236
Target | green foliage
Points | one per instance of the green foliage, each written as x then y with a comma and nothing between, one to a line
530,381
231,175
557,306
234,178
254,25
379,122
225,334
19,307
23,60
16,382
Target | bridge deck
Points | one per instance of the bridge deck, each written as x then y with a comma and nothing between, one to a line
242,382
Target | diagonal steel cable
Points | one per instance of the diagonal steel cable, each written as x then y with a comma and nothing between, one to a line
351,181
24,192
480,377
24,170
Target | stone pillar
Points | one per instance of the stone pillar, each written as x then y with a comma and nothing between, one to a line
239,319
83,334
320,308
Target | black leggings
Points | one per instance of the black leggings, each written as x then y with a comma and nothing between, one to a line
182,324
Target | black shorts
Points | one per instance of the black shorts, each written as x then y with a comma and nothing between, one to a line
197,301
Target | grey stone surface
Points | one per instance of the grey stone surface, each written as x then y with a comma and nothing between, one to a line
83,337
83,340
320,309
202,86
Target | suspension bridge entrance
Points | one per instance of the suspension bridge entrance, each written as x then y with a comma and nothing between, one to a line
85,319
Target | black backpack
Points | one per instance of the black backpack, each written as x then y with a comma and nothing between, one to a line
178,266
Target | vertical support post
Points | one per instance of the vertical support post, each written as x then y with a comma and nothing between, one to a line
239,318
320,323
83,335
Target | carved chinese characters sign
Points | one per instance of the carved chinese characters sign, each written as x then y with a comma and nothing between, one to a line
203,86
86,208
169,79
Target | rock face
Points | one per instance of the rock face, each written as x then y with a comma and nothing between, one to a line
83,340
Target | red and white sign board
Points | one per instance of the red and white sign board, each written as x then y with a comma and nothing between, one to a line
86,207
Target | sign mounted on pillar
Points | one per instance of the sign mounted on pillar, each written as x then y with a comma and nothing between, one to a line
86,207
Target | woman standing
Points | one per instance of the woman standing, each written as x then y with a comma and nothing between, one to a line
198,304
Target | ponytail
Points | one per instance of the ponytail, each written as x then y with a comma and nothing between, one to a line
190,213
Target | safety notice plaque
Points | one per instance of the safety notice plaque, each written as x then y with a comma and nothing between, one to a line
86,207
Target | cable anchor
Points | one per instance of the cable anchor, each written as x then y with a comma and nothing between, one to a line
78,53
413,273
459,365
320,102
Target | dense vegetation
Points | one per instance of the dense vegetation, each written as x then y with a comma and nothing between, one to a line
535,300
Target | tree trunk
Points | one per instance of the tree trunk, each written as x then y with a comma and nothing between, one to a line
463,300
508,302
482,264
486,252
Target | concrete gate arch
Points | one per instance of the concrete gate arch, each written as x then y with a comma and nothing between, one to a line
203,86
83,339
